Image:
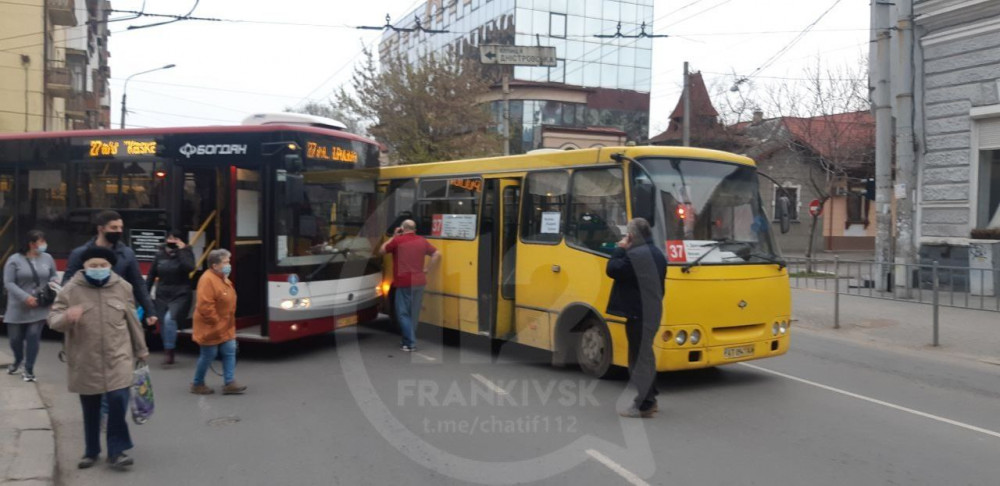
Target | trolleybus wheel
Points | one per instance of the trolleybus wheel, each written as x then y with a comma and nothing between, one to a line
593,348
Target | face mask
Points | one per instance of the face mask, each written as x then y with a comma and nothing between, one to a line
97,276
113,237
172,246
42,248
226,269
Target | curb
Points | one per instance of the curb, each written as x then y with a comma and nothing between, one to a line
27,440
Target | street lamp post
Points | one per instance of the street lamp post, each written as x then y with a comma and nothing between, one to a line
125,87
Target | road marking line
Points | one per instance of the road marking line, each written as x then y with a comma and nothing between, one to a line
618,468
428,358
876,401
489,384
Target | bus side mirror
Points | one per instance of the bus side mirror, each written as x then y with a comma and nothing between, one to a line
643,200
784,214
295,190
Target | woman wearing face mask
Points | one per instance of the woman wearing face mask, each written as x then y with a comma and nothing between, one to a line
170,273
215,324
96,312
24,276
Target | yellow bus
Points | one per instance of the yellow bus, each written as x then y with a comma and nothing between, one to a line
525,240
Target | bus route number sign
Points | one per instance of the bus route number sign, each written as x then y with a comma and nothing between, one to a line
676,252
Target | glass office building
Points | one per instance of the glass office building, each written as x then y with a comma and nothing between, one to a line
597,82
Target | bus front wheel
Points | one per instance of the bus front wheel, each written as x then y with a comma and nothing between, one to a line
593,348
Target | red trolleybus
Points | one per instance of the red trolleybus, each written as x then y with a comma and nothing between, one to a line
302,264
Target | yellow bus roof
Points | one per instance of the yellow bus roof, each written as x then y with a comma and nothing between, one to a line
555,159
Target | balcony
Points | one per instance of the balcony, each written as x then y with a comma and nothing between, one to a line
62,12
58,81
77,106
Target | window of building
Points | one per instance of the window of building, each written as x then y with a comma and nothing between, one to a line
557,25
597,216
543,219
857,208
793,204
447,208
989,188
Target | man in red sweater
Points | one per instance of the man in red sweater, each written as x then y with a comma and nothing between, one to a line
409,276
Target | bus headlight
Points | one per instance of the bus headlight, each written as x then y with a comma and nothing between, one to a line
290,304
287,304
774,329
681,338
305,303
783,327
695,336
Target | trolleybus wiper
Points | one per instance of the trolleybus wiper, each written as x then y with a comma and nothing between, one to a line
320,268
716,244
773,259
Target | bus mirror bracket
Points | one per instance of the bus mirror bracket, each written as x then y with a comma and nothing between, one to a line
293,163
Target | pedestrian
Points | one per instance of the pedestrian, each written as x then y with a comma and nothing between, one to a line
103,339
215,324
409,276
26,276
110,228
171,274
639,271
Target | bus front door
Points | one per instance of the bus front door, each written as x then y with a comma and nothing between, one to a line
247,227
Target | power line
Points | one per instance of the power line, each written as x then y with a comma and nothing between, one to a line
157,93
209,88
771,60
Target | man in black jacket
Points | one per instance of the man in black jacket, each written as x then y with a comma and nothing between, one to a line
639,270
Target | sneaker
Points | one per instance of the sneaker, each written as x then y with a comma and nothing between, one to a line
28,377
120,462
168,357
12,369
233,388
407,349
86,462
202,390
634,412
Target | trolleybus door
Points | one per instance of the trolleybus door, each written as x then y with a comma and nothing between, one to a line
247,235
9,232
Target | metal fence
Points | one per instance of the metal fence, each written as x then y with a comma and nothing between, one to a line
932,284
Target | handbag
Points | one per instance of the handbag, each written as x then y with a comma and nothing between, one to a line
142,403
44,294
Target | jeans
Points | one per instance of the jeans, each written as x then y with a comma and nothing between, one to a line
25,337
118,437
641,362
169,331
208,354
408,312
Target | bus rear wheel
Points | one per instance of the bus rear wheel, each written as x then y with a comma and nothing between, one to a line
593,349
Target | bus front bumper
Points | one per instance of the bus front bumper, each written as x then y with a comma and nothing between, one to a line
693,357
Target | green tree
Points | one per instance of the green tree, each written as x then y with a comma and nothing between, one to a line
428,112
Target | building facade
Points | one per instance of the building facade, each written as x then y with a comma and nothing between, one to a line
597,82
54,65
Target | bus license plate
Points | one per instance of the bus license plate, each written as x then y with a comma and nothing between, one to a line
738,352
347,321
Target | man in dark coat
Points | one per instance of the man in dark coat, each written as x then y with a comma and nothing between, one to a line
639,270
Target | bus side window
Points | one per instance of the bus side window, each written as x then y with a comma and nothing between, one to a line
543,220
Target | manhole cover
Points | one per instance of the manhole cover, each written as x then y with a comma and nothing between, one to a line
220,421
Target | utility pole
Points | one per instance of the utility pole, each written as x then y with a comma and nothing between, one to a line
883,143
905,188
506,112
686,133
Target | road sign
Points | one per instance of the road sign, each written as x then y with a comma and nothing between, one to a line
815,207
517,55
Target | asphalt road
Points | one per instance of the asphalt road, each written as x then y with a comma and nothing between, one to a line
351,409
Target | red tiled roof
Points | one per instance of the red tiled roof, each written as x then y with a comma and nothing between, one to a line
842,136
701,103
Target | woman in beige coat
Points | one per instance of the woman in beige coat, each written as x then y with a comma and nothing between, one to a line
96,311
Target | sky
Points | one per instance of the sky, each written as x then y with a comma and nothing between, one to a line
287,53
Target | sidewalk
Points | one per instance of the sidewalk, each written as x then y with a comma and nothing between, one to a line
27,441
967,334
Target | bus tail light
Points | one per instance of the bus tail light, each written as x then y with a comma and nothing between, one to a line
783,327
667,335
774,329
695,336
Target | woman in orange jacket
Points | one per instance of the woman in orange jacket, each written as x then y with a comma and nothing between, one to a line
215,324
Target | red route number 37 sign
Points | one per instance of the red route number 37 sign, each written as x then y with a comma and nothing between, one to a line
676,252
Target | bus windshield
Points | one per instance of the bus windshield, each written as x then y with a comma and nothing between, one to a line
706,209
321,220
